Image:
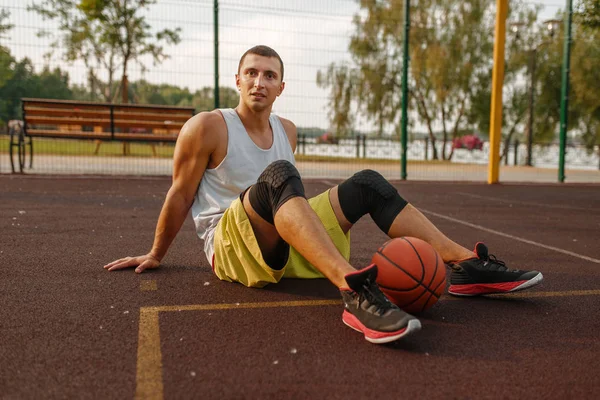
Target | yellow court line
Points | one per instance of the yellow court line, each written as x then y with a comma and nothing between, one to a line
149,384
227,306
308,303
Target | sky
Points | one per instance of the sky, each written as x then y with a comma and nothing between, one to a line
308,34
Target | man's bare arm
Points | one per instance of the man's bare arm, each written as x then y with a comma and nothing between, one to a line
195,144
290,131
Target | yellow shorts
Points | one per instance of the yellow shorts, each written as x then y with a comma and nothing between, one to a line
238,257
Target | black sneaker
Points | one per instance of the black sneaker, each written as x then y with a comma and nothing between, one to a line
369,311
485,274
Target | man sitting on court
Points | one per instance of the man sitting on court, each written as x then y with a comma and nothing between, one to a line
235,169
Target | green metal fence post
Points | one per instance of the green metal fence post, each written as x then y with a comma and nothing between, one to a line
216,39
564,98
364,145
405,60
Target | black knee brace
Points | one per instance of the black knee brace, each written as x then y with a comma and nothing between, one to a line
278,183
369,192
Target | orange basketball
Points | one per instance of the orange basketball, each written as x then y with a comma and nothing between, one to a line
411,273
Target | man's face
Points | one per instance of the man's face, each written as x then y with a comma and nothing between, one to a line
259,81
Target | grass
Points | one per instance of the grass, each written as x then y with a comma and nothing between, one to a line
385,161
70,147
66,147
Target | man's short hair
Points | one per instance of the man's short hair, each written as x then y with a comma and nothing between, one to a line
264,51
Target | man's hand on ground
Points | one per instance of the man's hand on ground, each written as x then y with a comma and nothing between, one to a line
141,263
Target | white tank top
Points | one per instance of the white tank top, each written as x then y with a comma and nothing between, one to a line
241,167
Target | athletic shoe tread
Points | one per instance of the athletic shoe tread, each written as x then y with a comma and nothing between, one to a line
485,274
369,311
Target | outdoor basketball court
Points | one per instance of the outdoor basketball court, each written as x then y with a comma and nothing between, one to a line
70,329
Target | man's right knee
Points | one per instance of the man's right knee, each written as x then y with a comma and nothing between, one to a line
278,183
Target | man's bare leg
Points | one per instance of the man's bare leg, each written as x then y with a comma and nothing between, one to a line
411,222
298,225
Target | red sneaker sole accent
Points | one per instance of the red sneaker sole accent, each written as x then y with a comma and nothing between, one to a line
490,288
377,336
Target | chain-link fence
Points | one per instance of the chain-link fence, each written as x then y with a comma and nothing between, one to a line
343,63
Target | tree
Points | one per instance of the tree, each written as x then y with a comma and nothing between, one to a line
24,82
585,83
6,60
145,92
523,43
590,13
342,80
450,48
203,99
106,35
450,57
4,26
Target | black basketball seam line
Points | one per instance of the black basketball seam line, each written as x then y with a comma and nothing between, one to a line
386,244
434,295
418,297
418,255
436,266
413,288
405,290
432,279
404,305
439,284
434,271
425,305
419,281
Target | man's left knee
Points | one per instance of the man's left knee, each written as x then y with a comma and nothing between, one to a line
278,183
367,192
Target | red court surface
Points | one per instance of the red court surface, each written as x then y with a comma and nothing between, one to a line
69,329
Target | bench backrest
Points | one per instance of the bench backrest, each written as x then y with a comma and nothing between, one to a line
88,120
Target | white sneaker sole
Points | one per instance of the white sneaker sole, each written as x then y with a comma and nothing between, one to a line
525,285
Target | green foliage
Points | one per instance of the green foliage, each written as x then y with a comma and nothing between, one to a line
342,81
376,49
145,92
6,66
450,49
24,82
584,77
585,84
6,60
204,99
590,13
105,34
451,46
21,80
4,26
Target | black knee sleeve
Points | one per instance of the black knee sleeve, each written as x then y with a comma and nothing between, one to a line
369,192
278,183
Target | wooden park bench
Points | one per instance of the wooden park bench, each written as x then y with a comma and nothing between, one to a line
65,119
